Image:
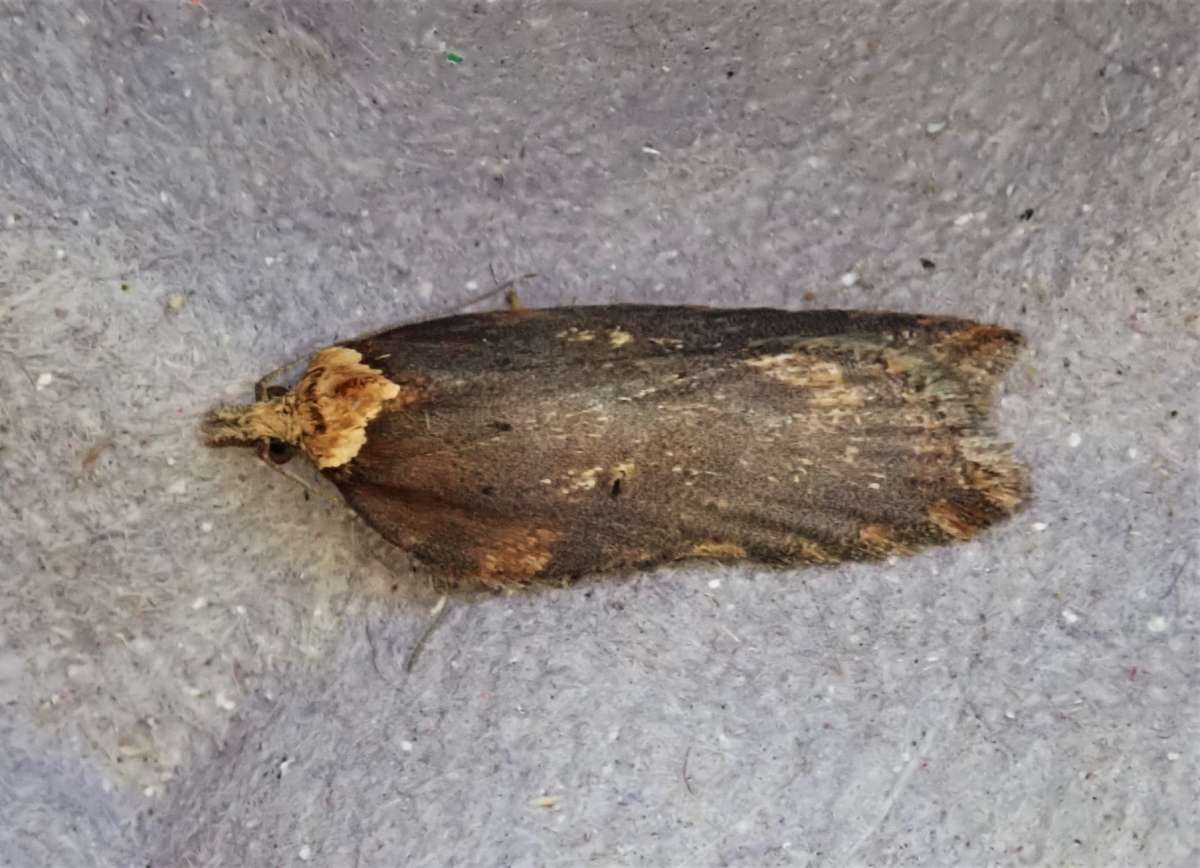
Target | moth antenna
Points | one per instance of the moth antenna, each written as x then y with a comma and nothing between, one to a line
508,288
262,387
436,615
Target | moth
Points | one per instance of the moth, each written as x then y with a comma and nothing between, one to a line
526,446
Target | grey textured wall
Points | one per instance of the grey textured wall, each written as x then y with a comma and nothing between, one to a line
199,666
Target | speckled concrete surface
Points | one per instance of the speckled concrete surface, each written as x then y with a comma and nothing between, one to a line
199,666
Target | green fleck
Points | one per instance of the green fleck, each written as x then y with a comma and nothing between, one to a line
454,57
125,287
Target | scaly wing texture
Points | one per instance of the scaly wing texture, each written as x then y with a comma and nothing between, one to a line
549,444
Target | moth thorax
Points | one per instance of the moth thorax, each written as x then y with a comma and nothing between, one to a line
325,415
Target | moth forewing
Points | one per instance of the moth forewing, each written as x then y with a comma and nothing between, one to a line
524,446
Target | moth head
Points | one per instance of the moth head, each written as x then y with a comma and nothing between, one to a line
325,415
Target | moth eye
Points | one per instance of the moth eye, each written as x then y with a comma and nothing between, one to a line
266,393
279,452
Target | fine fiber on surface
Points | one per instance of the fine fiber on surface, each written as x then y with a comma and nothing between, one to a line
203,663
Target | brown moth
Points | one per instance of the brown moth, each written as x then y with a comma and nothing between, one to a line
532,446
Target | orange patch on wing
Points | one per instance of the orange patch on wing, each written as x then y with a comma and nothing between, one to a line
824,382
952,519
994,474
897,363
811,551
983,350
879,539
514,554
717,550
978,337
636,556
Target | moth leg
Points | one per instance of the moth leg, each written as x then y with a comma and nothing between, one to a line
308,487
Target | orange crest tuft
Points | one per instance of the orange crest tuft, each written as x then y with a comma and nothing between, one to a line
335,399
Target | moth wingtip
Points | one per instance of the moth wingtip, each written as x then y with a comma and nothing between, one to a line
983,350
